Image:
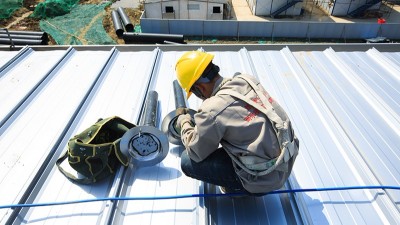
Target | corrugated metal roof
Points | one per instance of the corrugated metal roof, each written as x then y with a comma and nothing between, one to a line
343,101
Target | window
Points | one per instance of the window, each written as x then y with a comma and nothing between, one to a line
216,9
193,6
169,9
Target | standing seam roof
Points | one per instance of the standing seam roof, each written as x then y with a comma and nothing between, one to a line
344,106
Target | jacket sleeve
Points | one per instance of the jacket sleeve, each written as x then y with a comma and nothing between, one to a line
204,138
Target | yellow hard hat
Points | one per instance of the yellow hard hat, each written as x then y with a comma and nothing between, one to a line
190,67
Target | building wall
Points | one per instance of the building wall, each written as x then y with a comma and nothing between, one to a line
184,10
267,7
263,7
217,15
192,10
252,5
342,7
337,7
270,29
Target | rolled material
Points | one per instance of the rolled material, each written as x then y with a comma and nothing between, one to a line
131,38
125,20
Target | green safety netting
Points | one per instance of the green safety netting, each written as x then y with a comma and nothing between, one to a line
53,8
82,26
7,7
138,29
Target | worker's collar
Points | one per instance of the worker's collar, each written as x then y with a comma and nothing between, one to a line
218,84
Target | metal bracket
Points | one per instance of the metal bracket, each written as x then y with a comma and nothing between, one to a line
146,145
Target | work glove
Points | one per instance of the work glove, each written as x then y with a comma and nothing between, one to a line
180,111
181,120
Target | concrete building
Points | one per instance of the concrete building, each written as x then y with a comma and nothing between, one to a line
186,9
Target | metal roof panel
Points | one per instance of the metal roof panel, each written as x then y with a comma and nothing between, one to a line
120,92
343,105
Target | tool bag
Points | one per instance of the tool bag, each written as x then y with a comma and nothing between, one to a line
95,153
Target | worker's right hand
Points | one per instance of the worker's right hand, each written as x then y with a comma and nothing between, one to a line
181,111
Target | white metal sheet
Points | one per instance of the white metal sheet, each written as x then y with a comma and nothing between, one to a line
6,56
326,157
166,178
121,94
18,82
362,109
26,143
343,105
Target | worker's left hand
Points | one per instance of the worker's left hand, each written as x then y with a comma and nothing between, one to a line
180,111
181,120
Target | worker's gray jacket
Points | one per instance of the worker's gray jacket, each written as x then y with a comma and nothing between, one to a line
240,129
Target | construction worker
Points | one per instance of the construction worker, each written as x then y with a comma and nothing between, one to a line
258,144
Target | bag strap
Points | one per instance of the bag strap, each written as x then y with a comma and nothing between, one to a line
280,127
84,180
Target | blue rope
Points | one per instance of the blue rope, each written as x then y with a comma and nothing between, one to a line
192,196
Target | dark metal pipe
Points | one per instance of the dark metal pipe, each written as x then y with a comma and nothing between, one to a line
8,37
119,29
7,41
42,35
150,111
38,33
131,38
172,43
125,20
20,36
179,97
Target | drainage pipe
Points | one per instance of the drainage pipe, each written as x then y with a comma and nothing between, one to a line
131,38
125,20
150,112
119,29
168,123
179,96
145,145
42,35
21,36
7,41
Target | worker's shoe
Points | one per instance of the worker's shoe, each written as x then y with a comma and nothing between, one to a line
232,193
222,190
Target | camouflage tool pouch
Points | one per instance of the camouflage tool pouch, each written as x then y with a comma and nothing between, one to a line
95,153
